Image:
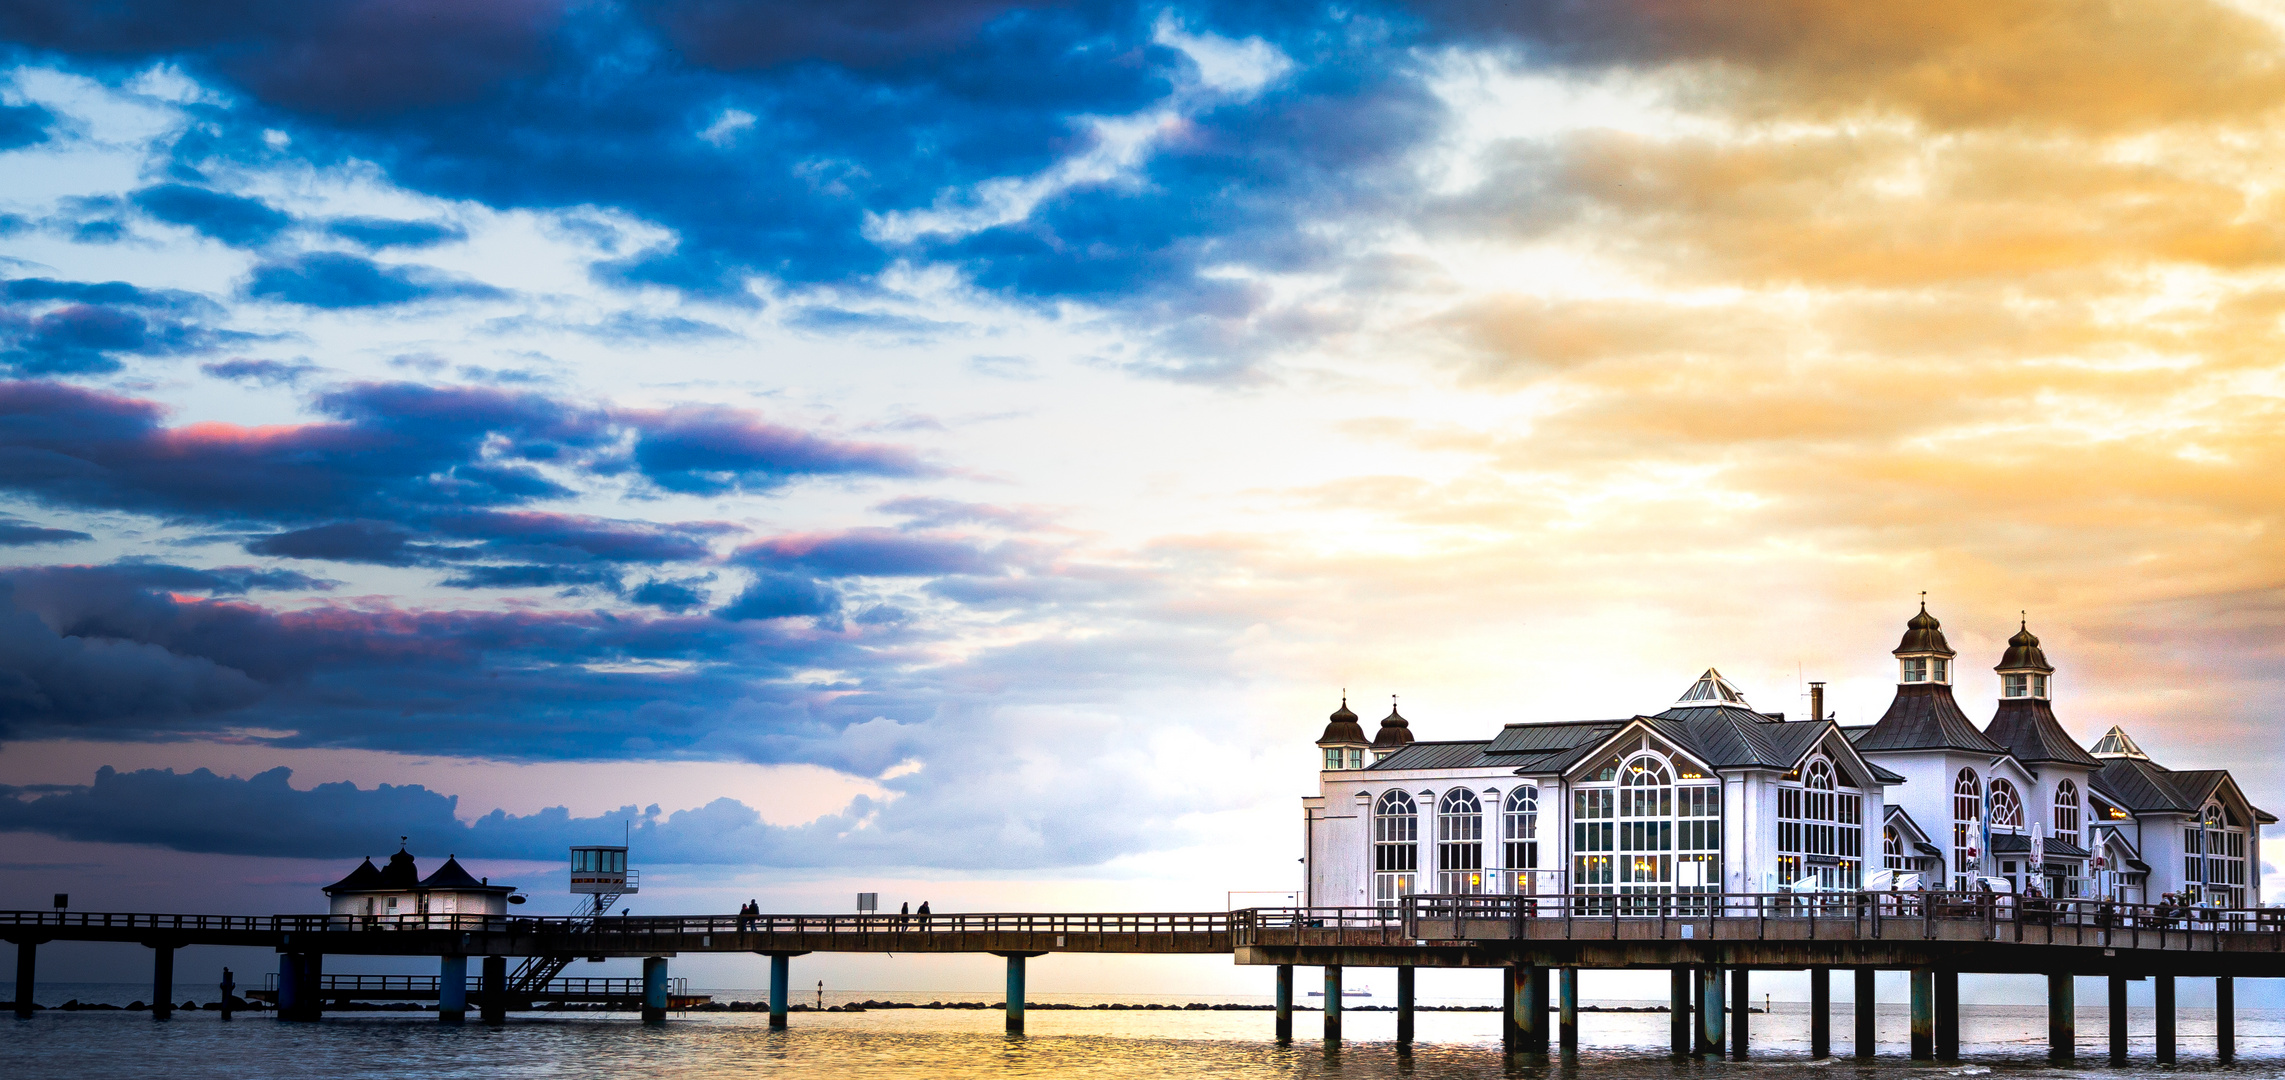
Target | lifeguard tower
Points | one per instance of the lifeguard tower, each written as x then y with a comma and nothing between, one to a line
602,872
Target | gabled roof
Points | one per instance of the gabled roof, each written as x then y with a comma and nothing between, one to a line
2028,729
1894,815
1923,716
1435,755
1722,737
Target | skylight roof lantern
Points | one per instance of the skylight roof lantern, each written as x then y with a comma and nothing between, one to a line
1711,689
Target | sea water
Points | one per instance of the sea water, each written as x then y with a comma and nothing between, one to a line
1109,1045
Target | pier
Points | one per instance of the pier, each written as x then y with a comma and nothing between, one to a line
1710,943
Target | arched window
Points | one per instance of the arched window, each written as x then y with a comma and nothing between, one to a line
1820,829
1967,823
1519,827
2006,806
1460,842
1646,826
2221,840
1396,849
2067,812
1892,851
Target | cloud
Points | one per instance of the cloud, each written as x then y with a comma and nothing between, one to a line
261,372
23,125
376,233
14,533
779,595
702,449
328,279
876,553
232,219
52,327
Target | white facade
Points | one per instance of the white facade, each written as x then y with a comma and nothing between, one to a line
1712,796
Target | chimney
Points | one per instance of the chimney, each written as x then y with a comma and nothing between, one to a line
1816,701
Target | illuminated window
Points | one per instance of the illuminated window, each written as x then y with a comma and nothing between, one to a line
1396,849
1967,821
1460,842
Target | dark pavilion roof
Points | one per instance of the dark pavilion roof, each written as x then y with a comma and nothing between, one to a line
2020,844
365,878
2028,729
400,873
1923,716
1923,634
452,877
2144,786
1395,730
1341,728
2023,654
1723,735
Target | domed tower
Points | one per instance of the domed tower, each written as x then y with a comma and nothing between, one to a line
1923,715
2025,723
1395,733
2024,670
1343,742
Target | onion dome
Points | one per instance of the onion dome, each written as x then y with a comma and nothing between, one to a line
1341,728
400,873
366,878
1924,636
1395,731
2023,654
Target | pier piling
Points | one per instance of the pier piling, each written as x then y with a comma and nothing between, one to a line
2162,987
27,964
1015,992
1820,1012
1567,996
1741,1003
2225,1019
1710,1011
162,981
452,990
1923,1015
493,1009
2062,1018
1285,1003
1404,1003
1947,1015
1867,1019
781,979
1332,1003
1515,1020
1678,1011
1537,1034
654,988
2116,1016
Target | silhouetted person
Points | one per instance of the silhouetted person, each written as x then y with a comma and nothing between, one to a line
924,914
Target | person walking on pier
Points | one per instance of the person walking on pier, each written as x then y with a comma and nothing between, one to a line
904,914
924,914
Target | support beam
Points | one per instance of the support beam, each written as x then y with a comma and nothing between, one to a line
1923,1015
1404,1004
654,988
1015,993
229,990
1820,1012
1947,1016
2163,989
1710,1011
2225,1018
781,982
1867,1017
162,981
1567,996
1741,1003
1332,1003
1515,1019
493,1006
1539,1002
452,989
27,966
2117,1019
1678,1011
299,977
1285,1003
2062,1018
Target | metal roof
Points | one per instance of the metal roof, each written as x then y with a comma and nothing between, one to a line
2028,729
1923,716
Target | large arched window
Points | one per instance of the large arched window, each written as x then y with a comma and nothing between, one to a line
1892,854
2221,840
2067,812
1967,822
1460,842
1646,826
1820,829
1396,848
2006,806
1519,827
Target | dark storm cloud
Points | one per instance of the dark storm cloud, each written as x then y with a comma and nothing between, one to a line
778,595
332,279
232,219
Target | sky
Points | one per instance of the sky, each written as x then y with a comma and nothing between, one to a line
964,450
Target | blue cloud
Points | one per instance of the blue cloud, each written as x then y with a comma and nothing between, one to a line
23,125
232,219
331,279
14,533
50,327
877,553
677,595
777,595
379,233
262,372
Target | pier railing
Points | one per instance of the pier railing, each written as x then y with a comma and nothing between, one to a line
419,987
1209,922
